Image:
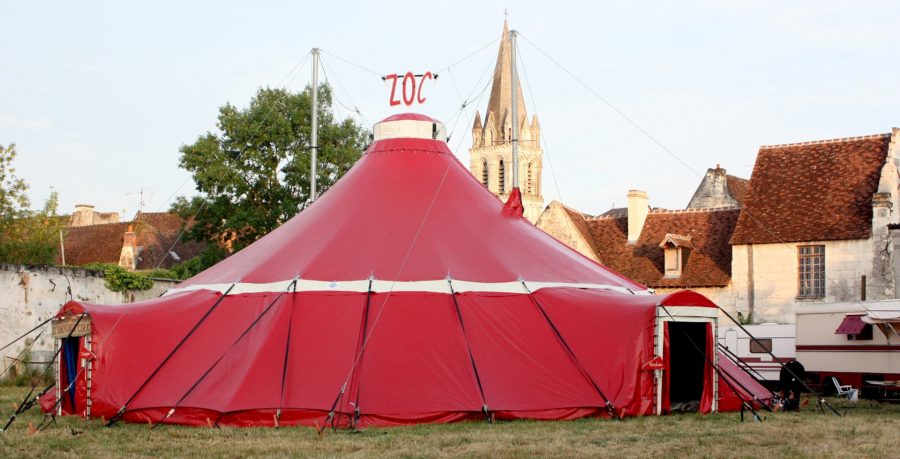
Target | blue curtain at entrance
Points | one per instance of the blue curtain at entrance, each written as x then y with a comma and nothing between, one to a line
70,354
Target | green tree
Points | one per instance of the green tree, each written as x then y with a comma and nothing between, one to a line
253,174
13,200
33,237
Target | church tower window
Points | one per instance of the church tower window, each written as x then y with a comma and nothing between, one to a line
484,172
529,185
502,177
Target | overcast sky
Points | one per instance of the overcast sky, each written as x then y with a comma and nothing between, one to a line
98,96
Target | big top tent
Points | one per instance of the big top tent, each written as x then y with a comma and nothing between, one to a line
407,293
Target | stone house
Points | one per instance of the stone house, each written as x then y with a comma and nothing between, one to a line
817,222
666,250
818,225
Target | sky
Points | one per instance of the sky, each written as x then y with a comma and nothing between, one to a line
99,96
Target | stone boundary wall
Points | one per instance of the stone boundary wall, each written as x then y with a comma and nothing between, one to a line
31,294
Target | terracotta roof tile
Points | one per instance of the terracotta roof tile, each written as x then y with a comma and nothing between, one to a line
155,232
812,191
708,229
578,221
738,188
94,243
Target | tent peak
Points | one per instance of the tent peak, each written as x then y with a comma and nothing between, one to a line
410,126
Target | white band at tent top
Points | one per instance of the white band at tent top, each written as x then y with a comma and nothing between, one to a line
410,129
384,286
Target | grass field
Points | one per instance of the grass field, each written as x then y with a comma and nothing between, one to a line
866,430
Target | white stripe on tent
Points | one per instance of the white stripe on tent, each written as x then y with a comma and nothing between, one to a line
409,129
385,286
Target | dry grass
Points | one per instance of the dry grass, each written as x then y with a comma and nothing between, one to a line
867,430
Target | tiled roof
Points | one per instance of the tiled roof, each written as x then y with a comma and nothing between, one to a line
677,240
812,191
709,264
578,221
738,188
155,232
94,243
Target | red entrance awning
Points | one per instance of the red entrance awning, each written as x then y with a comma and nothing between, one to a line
852,325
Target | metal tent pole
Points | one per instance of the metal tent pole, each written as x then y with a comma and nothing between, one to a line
515,109
314,136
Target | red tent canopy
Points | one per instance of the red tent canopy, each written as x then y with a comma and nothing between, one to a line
404,294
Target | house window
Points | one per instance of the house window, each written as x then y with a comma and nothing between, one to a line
864,335
673,261
812,271
502,177
760,346
484,172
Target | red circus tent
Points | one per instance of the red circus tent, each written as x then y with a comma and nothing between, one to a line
407,293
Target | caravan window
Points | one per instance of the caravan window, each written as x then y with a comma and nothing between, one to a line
762,346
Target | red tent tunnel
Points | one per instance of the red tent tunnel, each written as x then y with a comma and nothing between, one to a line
405,294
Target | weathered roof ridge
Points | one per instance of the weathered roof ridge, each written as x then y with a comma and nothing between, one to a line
94,225
826,141
696,210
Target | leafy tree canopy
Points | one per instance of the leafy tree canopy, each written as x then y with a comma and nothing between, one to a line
26,237
253,174
13,200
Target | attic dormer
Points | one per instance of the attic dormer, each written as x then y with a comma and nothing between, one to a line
677,249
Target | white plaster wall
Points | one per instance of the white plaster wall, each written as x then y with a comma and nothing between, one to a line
30,295
776,279
555,221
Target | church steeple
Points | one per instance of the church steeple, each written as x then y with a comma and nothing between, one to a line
491,152
500,104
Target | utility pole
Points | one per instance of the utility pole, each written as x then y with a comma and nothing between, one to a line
515,110
62,248
314,136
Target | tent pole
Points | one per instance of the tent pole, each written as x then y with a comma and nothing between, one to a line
359,351
287,350
462,326
314,135
515,111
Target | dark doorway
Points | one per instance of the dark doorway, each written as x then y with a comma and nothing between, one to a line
687,359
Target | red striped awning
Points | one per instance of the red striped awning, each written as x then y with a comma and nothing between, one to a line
852,325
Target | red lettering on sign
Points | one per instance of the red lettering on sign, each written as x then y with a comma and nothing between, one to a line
419,97
409,77
411,91
393,100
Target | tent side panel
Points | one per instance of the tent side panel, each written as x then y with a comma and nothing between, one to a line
199,353
130,341
524,368
611,338
415,364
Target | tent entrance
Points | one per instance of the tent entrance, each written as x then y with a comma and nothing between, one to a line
687,362
74,364
686,378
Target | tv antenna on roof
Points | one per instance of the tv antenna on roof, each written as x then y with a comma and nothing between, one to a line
140,192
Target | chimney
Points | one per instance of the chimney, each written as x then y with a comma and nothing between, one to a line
638,207
83,215
128,256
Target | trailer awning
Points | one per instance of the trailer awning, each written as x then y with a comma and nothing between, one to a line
851,325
